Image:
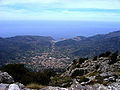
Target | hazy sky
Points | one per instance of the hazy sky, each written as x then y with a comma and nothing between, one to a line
59,18
56,29
87,10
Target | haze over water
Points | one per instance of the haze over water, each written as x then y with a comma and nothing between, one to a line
56,29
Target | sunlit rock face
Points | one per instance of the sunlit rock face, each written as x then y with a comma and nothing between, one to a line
80,87
13,87
5,78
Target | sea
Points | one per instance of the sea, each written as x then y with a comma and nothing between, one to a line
56,29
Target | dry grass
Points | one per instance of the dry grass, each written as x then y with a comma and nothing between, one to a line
117,73
35,86
92,74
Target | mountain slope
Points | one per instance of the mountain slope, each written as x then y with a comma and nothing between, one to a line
39,51
18,46
92,46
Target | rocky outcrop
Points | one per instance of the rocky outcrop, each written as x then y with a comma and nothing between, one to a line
4,86
74,86
5,78
93,71
98,74
53,88
77,86
14,86
87,87
100,65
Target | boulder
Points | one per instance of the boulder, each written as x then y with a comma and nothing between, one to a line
106,74
88,87
21,86
13,87
4,86
114,86
5,78
54,88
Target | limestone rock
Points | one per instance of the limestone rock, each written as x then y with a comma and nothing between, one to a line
13,87
5,78
54,88
4,86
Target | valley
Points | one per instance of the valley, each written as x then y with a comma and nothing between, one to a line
40,52
74,63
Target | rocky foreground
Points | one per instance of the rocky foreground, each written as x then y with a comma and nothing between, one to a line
100,73
115,86
6,78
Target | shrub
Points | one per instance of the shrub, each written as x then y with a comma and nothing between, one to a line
113,58
95,58
49,72
36,77
22,75
80,72
82,60
106,54
61,81
97,67
95,73
17,71
74,62
82,79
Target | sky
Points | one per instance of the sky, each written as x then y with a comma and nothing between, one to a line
59,18
84,10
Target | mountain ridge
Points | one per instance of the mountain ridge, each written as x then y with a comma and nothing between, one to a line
92,44
38,50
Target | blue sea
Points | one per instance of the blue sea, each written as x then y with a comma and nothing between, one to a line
56,29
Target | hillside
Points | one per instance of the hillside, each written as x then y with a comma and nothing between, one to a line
91,46
19,46
102,72
99,73
39,52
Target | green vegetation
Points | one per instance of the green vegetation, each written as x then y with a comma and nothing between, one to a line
17,71
23,75
19,49
95,73
99,80
82,60
80,72
61,81
16,49
76,63
81,79
113,58
106,54
35,77
95,58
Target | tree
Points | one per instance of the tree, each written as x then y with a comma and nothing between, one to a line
17,71
113,58
95,58
49,72
82,60
35,77
106,54
74,62
80,72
